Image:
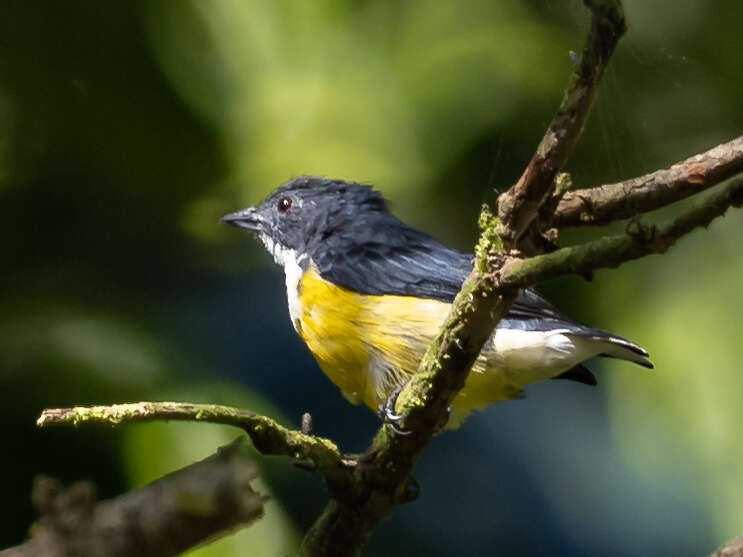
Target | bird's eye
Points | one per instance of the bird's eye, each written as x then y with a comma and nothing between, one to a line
285,204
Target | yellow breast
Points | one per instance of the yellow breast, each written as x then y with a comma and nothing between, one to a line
367,345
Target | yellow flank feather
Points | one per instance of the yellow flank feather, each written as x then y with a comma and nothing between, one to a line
368,345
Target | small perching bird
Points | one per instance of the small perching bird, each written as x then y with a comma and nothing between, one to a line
367,293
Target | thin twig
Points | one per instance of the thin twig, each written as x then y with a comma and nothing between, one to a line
610,202
518,207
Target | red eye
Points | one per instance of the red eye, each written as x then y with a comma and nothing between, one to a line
284,204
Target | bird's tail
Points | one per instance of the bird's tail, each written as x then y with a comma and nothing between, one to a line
612,346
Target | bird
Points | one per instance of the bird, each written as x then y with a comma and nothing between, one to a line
367,293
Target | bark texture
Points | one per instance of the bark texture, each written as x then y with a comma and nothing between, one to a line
161,519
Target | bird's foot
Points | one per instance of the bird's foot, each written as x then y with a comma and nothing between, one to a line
389,417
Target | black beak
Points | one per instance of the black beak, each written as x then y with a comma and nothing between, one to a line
244,218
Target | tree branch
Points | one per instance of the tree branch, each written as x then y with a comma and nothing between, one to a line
610,202
638,241
268,436
383,471
161,519
519,206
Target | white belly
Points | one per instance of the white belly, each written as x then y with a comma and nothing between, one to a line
532,356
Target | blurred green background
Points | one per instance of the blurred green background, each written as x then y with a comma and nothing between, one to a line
127,128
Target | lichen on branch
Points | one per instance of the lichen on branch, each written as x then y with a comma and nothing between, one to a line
268,436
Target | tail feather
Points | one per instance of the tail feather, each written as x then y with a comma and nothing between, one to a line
618,347
579,373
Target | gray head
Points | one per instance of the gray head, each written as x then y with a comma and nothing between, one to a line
306,212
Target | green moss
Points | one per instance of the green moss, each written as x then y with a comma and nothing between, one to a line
489,241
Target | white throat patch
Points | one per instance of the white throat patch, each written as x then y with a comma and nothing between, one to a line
293,272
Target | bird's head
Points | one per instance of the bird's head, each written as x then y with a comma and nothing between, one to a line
308,212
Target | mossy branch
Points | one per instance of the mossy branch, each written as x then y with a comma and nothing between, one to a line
381,477
383,471
268,436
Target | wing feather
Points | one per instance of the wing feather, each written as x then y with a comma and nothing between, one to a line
383,255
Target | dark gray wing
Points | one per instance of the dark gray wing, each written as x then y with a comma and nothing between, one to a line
385,256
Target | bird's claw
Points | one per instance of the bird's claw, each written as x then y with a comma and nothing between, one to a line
389,417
